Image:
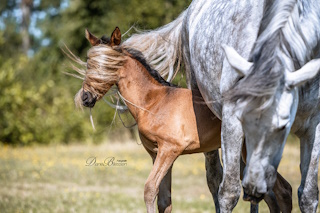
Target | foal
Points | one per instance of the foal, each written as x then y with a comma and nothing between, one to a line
171,121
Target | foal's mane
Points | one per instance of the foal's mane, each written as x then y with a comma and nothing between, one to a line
137,55
103,61
279,36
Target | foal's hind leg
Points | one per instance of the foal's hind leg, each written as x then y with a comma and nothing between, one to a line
214,175
164,196
162,164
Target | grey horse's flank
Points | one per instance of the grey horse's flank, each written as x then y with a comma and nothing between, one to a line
207,25
279,93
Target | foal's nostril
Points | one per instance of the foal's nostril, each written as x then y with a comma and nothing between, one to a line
84,97
88,100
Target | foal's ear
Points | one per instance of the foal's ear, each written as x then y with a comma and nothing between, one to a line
116,37
92,39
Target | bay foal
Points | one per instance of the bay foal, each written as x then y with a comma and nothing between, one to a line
171,121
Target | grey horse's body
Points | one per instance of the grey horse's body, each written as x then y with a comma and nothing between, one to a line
235,23
196,36
279,93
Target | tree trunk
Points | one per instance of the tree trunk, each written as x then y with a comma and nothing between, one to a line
26,6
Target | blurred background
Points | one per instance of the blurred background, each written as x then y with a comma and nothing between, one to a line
45,141
36,98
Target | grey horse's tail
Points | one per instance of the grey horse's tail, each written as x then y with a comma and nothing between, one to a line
161,47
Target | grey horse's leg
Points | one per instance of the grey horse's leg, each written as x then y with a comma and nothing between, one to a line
164,196
308,191
271,201
283,193
214,175
280,199
254,208
231,144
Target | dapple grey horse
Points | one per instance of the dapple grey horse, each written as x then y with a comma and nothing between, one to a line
195,38
279,92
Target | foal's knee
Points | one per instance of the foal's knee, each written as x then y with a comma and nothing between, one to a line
150,193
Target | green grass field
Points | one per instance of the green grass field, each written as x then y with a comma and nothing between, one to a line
56,179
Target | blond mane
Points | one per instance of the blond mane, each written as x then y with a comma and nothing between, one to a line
102,65
99,73
161,47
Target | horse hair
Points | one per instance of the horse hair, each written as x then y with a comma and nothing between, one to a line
280,27
102,64
136,54
161,47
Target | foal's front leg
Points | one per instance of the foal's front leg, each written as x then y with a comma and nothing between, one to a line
164,195
163,163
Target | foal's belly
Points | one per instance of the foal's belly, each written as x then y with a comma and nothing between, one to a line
205,138
208,141
184,123
190,143
201,149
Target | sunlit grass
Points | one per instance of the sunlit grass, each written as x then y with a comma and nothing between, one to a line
56,179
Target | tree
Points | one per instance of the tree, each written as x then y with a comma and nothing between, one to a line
36,98
26,8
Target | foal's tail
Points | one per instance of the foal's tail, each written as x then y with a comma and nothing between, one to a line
161,47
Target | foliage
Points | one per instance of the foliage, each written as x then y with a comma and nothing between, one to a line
34,114
36,98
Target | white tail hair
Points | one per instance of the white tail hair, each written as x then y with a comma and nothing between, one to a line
161,47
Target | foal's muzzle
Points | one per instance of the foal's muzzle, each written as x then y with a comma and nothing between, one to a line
88,100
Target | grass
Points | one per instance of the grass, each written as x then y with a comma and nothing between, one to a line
56,179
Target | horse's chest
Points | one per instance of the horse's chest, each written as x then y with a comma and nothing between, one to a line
151,131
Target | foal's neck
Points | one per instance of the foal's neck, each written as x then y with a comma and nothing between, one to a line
139,88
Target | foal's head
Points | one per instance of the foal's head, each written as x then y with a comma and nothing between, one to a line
104,59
